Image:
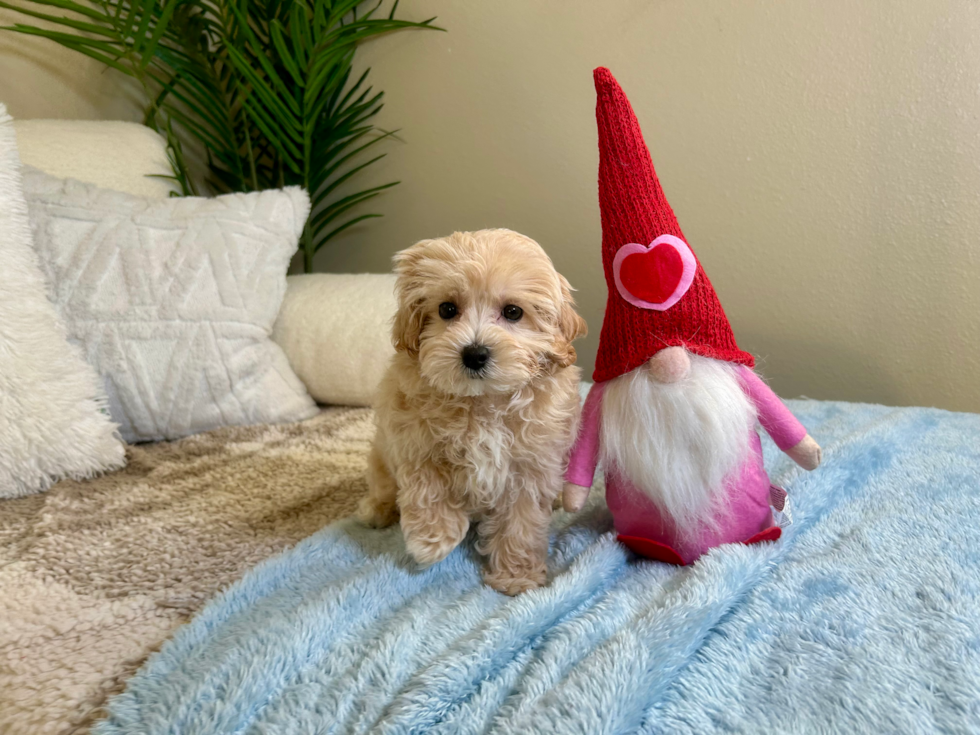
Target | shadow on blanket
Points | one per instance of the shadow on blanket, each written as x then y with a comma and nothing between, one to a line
863,618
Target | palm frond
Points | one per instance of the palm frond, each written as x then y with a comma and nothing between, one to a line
263,85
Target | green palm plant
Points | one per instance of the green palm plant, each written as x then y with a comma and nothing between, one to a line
265,87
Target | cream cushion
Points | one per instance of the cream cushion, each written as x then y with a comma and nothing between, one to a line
111,155
336,331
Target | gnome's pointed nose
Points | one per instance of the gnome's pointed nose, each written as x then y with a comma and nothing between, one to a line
670,365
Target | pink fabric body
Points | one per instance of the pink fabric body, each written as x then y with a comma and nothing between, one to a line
746,491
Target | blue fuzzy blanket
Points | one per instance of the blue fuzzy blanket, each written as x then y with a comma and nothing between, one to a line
863,618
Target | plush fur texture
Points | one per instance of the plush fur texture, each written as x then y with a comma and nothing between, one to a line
676,434
863,618
96,575
53,419
456,445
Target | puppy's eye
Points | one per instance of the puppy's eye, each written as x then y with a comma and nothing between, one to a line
512,313
447,310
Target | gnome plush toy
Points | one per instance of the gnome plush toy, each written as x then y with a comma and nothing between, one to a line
674,407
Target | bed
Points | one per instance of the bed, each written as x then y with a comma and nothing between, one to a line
862,618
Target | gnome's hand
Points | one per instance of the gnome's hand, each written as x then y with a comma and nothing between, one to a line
573,497
807,454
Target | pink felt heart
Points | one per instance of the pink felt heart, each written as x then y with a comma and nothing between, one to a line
654,276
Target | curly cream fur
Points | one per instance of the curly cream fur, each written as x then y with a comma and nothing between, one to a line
453,447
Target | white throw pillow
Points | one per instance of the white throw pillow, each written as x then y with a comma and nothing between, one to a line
336,331
173,300
53,422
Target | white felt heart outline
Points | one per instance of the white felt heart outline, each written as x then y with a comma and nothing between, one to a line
687,275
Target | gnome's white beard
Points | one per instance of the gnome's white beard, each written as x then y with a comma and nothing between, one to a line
678,442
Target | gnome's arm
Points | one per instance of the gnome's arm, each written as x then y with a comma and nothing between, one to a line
779,422
585,453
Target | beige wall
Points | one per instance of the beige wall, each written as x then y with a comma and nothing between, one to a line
39,79
823,158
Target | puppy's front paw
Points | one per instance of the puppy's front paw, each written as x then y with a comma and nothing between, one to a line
376,513
432,531
428,551
514,583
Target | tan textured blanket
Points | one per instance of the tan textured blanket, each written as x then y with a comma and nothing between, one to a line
95,575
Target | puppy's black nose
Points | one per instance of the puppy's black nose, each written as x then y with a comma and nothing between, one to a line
475,357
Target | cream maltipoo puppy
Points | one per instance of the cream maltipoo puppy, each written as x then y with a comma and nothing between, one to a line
479,406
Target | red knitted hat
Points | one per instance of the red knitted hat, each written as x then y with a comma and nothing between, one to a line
659,295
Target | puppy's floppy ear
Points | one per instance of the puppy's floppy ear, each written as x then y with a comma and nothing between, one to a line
570,327
407,329
409,319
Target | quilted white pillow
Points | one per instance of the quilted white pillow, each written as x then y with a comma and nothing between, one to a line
52,423
173,300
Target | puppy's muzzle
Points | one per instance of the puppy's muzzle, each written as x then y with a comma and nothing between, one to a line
475,357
